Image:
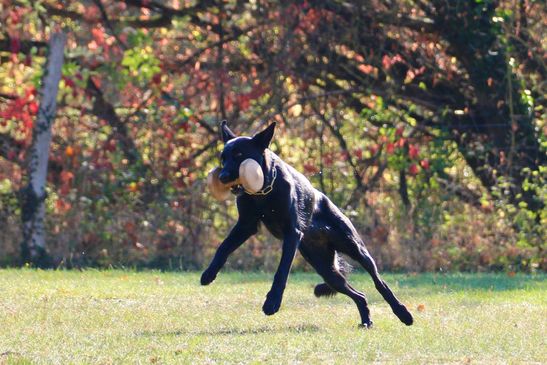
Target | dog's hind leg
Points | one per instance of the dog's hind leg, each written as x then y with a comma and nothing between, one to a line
359,253
325,263
323,289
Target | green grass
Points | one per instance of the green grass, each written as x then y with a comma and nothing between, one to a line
128,317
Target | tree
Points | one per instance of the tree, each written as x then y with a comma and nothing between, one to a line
34,196
446,67
434,106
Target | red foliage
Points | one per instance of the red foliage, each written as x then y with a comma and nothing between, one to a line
11,155
66,181
21,109
310,168
98,35
366,69
311,18
110,145
33,107
328,159
68,82
413,169
28,60
66,176
62,206
244,100
388,61
156,79
15,16
413,151
15,45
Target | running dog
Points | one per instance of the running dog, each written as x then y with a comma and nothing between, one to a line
300,215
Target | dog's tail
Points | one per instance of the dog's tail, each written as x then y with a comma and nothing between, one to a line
323,289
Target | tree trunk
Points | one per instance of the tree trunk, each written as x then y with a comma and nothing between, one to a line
34,249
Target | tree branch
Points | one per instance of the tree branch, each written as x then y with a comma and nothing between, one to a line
24,45
103,109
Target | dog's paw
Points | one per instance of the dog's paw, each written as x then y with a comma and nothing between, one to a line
208,277
366,325
404,315
272,304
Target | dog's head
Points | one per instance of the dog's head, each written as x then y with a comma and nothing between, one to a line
238,149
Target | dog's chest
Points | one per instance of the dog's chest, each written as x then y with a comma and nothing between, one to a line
278,216
274,220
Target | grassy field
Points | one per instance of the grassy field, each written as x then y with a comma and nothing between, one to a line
104,317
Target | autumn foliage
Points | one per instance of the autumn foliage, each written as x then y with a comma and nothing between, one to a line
424,121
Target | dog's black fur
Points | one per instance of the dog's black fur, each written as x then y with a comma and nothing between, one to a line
303,217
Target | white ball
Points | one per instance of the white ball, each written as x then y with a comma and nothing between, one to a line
251,176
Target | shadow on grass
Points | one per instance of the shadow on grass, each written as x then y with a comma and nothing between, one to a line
475,281
301,328
423,281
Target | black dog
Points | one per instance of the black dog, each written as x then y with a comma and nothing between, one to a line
303,217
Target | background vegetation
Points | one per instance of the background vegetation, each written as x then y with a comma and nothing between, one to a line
423,120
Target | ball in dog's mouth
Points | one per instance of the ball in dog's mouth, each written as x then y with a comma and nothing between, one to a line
251,175
217,189
251,180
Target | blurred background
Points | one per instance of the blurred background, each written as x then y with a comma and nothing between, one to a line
423,120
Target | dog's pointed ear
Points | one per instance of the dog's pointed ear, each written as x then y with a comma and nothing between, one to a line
263,139
226,133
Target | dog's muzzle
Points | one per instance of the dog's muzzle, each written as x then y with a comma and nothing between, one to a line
225,177
237,190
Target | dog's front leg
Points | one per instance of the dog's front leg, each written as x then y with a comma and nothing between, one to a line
291,241
239,234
